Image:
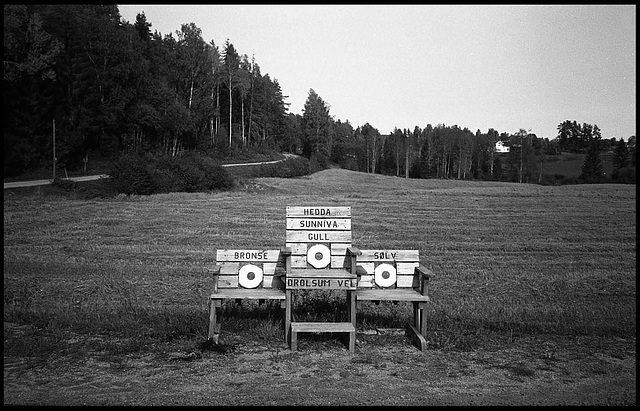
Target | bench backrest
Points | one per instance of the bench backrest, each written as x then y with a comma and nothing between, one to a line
318,236
250,268
388,269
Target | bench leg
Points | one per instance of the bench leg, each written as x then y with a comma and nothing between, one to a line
351,307
423,319
352,342
214,327
419,326
351,311
294,340
287,316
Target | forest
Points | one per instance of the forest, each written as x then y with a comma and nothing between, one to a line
82,83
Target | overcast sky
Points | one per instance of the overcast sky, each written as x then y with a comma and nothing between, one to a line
479,67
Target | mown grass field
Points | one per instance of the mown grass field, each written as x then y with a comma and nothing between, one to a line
509,259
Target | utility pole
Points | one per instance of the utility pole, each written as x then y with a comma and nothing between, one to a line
522,133
54,148
521,155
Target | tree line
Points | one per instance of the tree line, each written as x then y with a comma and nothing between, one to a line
104,87
107,87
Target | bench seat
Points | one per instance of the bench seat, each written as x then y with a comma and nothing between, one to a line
397,294
248,294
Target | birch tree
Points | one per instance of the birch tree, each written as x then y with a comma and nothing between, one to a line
213,59
231,77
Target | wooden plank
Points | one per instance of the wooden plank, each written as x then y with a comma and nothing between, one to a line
229,268
299,261
320,273
232,268
336,248
366,281
251,294
318,224
311,327
339,248
406,268
402,281
232,281
269,268
336,262
340,262
298,248
320,283
369,268
317,211
318,236
228,281
405,281
390,294
248,255
389,255
271,281
401,268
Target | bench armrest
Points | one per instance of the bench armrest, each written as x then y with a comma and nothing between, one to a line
215,272
286,251
354,251
424,272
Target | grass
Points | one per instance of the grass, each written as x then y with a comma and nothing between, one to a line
509,259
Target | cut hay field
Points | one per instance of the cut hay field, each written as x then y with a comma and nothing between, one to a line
510,260
511,256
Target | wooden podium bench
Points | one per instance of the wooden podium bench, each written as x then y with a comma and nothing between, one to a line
319,255
246,275
395,275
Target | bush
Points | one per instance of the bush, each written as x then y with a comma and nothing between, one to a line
290,167
68,185
144,175
214,176
318,162
131,174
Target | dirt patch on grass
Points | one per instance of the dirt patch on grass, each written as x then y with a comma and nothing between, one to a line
385,370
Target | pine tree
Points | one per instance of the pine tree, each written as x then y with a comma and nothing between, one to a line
316,127
592,170
620,157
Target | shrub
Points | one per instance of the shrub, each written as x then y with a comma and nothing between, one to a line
130,174
290,167
318,162
64,184
214,177
144,175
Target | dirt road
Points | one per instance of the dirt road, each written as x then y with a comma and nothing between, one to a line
17,184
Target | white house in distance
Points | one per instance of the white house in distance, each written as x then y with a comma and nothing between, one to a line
501,148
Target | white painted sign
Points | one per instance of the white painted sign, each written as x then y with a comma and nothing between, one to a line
321,283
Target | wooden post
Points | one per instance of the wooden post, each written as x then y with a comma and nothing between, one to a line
214,327
287,316
54,148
